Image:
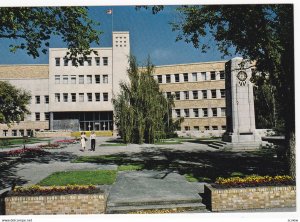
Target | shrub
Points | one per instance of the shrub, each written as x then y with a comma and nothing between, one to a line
37,190
26,151
253,181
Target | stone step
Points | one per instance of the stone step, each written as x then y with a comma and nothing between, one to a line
131,209
153,202
215,146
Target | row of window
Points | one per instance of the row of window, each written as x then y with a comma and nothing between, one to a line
38,116
20,132
38,99
202,94
205,128
81,97
201,112
83,62
191,77
82,79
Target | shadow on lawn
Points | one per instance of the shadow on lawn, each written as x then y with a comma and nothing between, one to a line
9,165
200,164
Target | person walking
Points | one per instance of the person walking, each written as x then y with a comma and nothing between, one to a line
93,140
83,140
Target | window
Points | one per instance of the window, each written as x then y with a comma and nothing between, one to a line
186,113
37,99
185,77
73,79
81,79
81,97
97,79
105,61
169,95
66,61
213,93
186,94
80,61
89,79
65,97
89,97
206,127
105,96
5,132
195,94
57,61
14,132
177,95
97,97
47,116
176,77
105,78
222,91
203,76
212,75
57,79
204,112
159,79
214,127
57,97
196,128
223,127
194,76
21,132
204,94
222,75
28,132
73,97
223,111
187,128
177,111
89,61
196,112
65,79
46,98
37,117
168,78
214,112
97,60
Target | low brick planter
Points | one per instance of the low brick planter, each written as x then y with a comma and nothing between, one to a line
56,204
249,198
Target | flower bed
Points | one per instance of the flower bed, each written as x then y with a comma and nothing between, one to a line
26,151
252,192
71,199
50,146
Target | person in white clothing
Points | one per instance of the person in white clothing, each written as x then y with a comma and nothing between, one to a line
83,140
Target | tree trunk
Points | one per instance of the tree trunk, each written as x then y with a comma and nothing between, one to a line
292,154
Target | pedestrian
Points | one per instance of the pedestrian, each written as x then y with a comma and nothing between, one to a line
93,140
83,140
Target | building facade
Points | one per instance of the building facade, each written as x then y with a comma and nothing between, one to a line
199,96
66,97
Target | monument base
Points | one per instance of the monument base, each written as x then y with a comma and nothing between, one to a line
242,141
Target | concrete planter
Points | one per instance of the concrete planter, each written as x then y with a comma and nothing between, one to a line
249,198
56,204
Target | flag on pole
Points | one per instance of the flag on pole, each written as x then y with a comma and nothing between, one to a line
109,11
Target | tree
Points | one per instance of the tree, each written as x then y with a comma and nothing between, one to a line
34,26
142,112
261,33
13,103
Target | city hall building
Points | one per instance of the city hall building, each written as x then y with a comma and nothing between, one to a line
70,98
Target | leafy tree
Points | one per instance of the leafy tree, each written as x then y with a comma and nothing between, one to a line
261,33
142,112
13,103
35,25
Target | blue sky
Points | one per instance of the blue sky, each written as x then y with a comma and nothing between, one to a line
149,35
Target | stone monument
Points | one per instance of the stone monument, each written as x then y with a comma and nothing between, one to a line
240,118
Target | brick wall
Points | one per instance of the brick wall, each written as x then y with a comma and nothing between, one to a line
249,198
58,204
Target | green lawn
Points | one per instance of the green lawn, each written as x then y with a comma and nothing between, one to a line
97,159
96,177
11,142
113,144
130,167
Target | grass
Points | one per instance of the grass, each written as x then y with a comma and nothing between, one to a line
113,144
130,167
96,177
8,143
